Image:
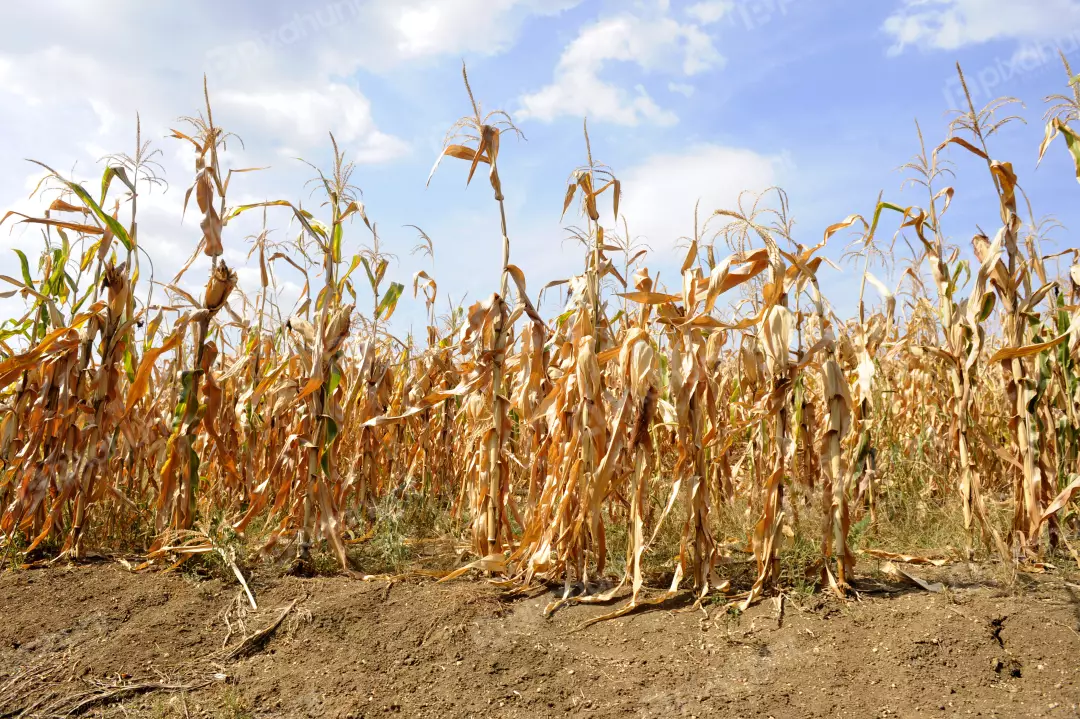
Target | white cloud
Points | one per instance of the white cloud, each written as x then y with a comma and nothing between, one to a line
70,77
710,11
952,24
441,27
38,76
281,65
652,40
659,194
277,75
393,33
305,116
684,89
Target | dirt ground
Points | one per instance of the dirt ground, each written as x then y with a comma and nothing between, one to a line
99,640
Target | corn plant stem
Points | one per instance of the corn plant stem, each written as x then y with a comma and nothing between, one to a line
498,403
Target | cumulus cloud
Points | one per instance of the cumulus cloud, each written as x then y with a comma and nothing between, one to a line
339,37
280,65
269,90
952,24
74,74
660,192
710,11
684,89
652,40
425,28
302,116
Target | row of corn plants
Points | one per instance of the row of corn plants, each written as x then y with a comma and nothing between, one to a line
697,426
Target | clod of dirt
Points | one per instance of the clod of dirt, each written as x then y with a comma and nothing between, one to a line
996,626
1008,667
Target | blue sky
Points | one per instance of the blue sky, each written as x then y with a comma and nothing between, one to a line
685,100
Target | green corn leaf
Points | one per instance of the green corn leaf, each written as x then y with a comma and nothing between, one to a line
115,227
335,242
389,301
129,364
370,275
303,216
380,271
107,178
356,260
16,328
987,306
24,264
332,430
331,436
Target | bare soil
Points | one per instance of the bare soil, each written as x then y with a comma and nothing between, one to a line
100,640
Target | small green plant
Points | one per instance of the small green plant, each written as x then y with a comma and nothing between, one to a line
234,706
800,560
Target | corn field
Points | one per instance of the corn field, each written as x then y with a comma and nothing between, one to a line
637,411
